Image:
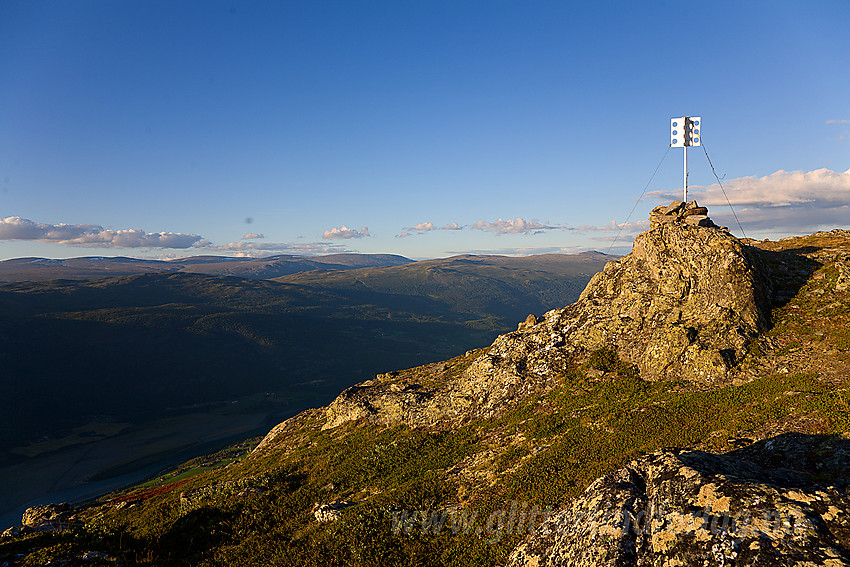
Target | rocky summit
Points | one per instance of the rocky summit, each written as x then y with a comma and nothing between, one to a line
685,304
679,212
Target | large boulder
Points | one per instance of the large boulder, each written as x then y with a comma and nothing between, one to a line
49,517
683,305
783,501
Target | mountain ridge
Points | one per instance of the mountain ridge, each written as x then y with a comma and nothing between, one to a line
96,267
266,267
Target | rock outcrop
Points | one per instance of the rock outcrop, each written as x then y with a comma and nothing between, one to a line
425,397
684,304
329,511
679,212
49,517
782,501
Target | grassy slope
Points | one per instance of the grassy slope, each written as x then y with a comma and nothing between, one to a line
543,450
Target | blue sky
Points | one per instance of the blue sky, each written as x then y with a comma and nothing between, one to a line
160,129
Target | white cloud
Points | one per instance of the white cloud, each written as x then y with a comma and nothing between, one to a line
516,226
424,227
626,228
525,251
344,232
91,235
522,226
243,248
833,121
782,201
17,228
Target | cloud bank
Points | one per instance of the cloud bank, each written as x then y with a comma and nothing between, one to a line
516,226
521,226
92,235
625,228
524,251
783,201
243,248
345,233
17,228
424,227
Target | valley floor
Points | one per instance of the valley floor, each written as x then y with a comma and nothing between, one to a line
90,465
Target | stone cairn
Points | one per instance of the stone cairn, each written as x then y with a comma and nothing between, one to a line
679,212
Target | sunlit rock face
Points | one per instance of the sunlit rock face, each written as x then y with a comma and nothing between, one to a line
683,305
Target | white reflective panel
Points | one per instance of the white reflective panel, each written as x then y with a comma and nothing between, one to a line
677,135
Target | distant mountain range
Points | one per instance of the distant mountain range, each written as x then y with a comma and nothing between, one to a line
132,346
91,267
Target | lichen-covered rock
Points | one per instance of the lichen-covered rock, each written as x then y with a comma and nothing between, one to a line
679,212
529,323
783,501
11,532
388,402
843,280
329,511
49,517
685,304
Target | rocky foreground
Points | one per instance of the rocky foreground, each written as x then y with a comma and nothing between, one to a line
783,501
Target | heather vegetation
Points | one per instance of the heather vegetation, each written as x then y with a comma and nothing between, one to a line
545,450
